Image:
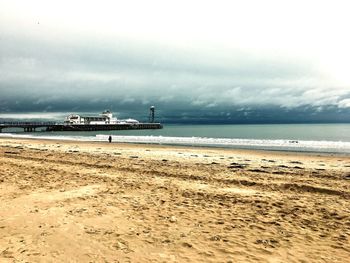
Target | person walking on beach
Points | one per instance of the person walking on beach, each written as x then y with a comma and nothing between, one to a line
110,138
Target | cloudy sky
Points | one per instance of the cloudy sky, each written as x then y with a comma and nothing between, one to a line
196,61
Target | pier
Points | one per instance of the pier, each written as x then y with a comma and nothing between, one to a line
52,126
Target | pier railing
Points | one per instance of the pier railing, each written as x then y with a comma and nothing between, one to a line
29,123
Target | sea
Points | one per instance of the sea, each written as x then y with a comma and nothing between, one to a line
313,138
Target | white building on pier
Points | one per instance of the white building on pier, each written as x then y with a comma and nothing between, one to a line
105,117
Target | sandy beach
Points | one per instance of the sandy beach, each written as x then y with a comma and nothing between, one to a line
66,201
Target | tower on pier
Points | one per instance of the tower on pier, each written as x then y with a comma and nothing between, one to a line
151,114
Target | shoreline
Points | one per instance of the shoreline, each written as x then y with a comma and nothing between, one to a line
205,147
103,202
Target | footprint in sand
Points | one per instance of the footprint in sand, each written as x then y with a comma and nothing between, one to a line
295,162
257,171
186,244
236,165
347,177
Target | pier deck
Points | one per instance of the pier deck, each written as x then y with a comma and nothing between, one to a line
51,126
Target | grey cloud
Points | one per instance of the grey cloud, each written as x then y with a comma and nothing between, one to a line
205,84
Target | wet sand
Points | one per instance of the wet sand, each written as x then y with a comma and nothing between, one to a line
99,202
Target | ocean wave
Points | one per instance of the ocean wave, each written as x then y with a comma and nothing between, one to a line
297,145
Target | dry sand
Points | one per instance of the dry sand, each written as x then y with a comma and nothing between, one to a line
100,202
